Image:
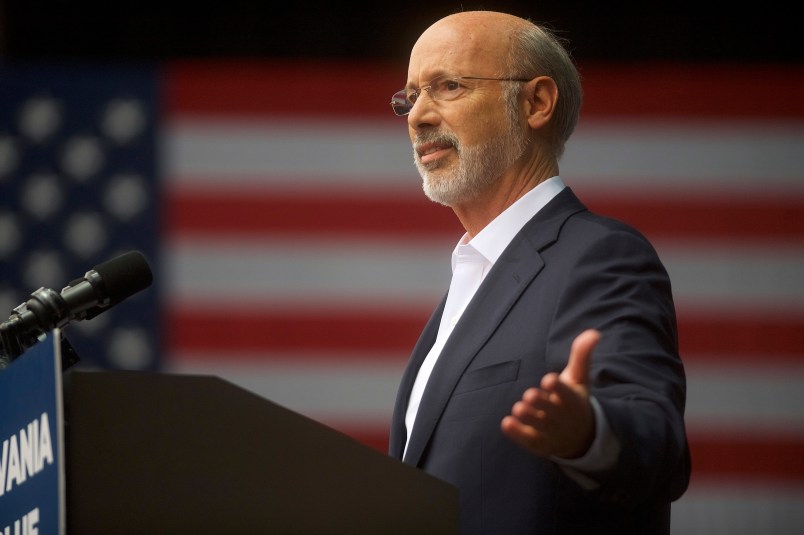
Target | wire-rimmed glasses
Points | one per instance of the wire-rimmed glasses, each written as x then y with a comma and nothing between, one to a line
445,87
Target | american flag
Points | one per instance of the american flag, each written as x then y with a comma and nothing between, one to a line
78,186
296,256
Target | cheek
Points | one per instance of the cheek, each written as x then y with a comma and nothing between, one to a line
476,126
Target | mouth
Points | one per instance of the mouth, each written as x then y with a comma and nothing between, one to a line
432,151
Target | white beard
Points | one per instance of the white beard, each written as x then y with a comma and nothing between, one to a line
479,166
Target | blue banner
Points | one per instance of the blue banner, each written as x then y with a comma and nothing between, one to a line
32,442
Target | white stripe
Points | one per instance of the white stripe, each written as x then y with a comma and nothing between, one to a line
746,399
752,156
746,274
298,151
725,507
334,390
308,272
403,273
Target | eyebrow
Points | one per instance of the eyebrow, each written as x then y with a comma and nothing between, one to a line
435,75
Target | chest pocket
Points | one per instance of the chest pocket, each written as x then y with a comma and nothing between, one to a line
502,372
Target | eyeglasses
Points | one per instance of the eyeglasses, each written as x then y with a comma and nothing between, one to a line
444,87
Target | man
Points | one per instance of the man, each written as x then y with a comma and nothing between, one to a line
547,386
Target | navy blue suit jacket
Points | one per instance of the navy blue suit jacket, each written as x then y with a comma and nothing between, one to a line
566,271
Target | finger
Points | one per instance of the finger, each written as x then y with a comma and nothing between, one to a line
525,414
524,435
531,410
577,370
564,402
549,382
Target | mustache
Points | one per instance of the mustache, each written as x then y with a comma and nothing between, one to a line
433,136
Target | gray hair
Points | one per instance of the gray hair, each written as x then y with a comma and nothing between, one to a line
537,51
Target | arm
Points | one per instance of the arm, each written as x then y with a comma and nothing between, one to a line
617,284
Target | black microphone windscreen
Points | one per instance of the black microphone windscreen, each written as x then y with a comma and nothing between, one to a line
124,275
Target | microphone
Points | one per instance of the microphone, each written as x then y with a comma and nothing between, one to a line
101,288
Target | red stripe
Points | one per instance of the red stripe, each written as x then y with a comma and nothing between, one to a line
737,335
354,89
709,217
735,458
323,214
289,331
759,458
275,87
392,214
693,90
734,336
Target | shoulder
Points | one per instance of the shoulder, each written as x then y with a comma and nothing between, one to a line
596,225
601,235
574,219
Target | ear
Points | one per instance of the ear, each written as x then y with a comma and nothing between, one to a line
542,96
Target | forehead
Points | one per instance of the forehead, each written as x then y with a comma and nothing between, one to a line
467,46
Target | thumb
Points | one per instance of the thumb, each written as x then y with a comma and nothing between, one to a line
577,370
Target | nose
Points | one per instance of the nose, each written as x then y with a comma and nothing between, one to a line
423,113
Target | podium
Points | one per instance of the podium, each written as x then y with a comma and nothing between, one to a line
158,453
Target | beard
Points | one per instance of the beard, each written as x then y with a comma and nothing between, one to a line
479,166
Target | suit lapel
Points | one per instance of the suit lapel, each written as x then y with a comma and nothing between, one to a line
511,274
426,340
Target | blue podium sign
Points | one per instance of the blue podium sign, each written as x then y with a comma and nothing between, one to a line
32,442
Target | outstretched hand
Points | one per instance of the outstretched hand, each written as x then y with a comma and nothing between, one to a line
557,418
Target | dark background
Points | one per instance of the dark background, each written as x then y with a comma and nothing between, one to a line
125,30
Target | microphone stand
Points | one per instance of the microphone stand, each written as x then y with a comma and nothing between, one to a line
42,313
